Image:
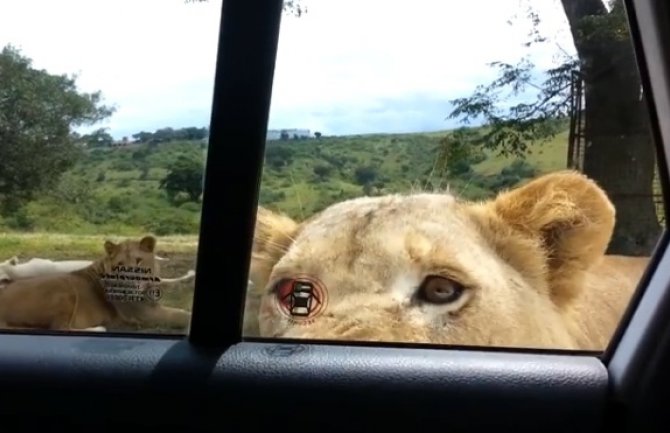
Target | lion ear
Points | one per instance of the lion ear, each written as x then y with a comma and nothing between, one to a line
148,244
572,219
110,247
273,235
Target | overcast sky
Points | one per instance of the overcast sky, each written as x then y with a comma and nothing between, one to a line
346,67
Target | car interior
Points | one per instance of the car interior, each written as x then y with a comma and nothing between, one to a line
217,379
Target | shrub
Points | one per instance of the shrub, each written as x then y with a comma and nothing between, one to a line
174,223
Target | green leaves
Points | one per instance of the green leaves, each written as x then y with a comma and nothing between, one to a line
523,104
513,126
38,111
185,175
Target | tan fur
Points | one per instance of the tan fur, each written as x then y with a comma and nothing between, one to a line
532,261
273,233
12,261
76,300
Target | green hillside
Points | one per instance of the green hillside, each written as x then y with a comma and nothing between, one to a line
115,191
301,177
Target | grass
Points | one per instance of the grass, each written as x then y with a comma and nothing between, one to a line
65,246
545,157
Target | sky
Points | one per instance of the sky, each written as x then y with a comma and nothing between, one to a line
345,67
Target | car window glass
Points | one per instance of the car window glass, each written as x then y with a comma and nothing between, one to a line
462,173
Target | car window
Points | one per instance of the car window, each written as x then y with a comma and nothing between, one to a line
104,128
463,173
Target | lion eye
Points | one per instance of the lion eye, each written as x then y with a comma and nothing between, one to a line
440,290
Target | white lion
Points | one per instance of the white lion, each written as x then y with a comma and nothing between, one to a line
12,270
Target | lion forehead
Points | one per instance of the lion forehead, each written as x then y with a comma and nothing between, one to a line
376,237
365,215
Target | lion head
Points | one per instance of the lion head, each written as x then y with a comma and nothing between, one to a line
432,268
131,256
4,275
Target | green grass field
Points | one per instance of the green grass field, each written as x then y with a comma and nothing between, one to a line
115,191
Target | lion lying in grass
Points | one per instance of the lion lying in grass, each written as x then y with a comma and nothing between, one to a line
80,300
12,270
526,269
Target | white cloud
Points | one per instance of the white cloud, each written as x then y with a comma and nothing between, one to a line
355,54
346,66
153,59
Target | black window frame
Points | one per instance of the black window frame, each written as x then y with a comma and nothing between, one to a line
214,376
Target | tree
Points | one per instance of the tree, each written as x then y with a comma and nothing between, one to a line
458,152
73,189
620,155
365,175
164,135
322,171
317,134
38,111
98,138
278,156
184,175
142,137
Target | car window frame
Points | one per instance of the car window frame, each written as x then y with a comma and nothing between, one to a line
633,359
216,361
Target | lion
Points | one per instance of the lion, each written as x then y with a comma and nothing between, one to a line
11,269
92,298
526,269
4,276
